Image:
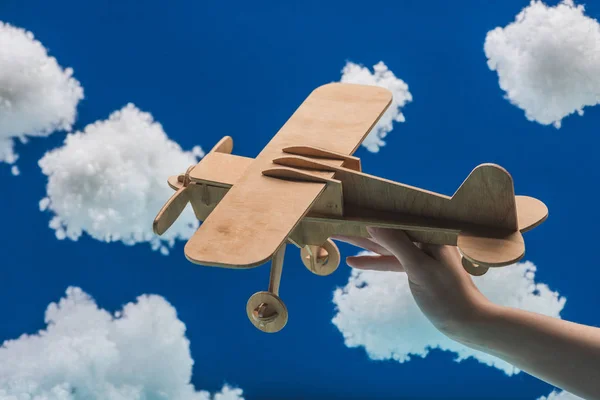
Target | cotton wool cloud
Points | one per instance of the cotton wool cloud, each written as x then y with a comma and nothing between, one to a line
548,61
560,395
383,77
37,95
85,352
110,180
376,311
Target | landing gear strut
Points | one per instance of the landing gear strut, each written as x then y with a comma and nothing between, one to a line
266,310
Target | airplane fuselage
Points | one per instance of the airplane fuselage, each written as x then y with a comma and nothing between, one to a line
427,217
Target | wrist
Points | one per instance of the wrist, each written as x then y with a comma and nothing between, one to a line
473,330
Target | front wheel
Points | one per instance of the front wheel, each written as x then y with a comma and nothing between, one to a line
267,312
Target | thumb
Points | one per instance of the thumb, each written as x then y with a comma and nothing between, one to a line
399,244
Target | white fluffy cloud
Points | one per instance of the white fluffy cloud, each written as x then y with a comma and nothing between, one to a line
560,396
87,353
548,61
110,181
37,96
376,310
381,76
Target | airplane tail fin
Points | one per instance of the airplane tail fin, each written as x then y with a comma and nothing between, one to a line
487,198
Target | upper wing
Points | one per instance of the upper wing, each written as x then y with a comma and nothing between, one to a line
258,213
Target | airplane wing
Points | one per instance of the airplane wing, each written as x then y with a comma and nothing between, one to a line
258,213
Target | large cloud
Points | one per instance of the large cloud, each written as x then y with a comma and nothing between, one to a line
376,310
548,61
110,181
37,96
87,353
382,76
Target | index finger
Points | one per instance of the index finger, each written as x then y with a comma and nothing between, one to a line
364,243
398,243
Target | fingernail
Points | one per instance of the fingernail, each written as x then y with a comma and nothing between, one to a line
349,260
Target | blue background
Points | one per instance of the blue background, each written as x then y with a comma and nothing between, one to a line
205,69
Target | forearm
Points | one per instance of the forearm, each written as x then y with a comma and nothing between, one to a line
562,353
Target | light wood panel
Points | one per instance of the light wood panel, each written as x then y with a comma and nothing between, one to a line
170,211
491,249
220,169
530,212
323,221
486,197
326,218
258,213
319,191
350,162
225,145
330,201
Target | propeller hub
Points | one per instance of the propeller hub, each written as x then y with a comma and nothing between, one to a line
185,178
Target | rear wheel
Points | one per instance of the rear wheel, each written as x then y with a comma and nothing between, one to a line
473,269
321,260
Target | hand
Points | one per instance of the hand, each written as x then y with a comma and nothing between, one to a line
441,287
562,353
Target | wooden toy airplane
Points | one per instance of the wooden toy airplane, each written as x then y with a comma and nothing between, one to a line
305,186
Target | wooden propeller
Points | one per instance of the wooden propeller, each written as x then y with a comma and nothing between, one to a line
169,213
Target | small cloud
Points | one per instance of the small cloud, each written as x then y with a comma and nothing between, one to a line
376,310
110,181
381,76
560,396
548,61
87,353
37,96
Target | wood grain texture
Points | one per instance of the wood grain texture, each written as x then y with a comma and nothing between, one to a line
258,213
220,169
170,211
322,222
204,198
530,212
276,270
320,191
225,145
350,162
174,183
294,174
486,197
491,249
329,202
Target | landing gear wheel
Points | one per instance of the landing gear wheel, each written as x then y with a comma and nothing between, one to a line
267,312
474,269
321,260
